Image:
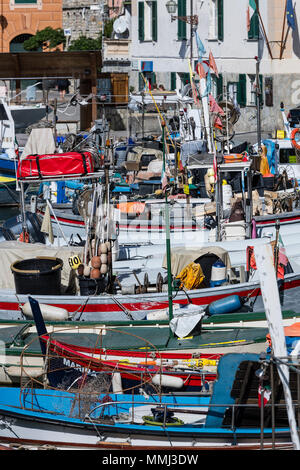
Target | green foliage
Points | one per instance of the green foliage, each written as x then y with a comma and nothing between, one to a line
108,28
46,38
84,43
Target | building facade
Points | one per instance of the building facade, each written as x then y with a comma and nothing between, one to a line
162,46
21,19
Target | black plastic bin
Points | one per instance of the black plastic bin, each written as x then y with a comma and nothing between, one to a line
89,286
40,275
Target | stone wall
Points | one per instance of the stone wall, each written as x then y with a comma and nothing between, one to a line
82,21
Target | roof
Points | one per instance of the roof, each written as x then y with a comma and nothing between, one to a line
75,64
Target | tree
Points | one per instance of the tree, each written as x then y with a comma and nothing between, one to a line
84,43
47,38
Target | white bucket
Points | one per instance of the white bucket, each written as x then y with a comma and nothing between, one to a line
227,195
235,230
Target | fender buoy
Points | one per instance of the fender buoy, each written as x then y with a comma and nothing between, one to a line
295,143
49,312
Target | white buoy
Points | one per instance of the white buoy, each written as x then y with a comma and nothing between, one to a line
49,312
167,381
117,382
103,258
103,248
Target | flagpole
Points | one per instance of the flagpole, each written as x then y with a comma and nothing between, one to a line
168,240
282,33
263,28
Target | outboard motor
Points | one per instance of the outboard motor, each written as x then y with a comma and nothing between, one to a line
6,234
14,224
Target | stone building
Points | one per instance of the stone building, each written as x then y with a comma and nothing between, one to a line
20,19
83,17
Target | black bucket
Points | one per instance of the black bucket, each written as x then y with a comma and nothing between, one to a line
38,276
89,286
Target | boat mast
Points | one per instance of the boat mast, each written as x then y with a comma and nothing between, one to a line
167,225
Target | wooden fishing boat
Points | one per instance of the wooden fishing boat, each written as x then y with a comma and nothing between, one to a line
23,346
231,416
182,229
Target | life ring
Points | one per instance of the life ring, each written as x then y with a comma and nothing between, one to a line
295,143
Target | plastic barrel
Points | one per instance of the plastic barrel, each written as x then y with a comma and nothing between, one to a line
226,305
218,274
41,275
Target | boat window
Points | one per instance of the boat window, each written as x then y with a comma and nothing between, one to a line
3,115
288,156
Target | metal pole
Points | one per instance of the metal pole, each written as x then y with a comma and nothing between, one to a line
168,241
23,212
258,95
191,50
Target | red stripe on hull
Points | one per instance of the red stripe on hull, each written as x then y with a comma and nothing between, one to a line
147,305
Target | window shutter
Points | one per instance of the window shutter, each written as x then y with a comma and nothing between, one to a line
220,20
173,81
181,25
141,82
242,90
154,21
152,78
219,86
253,32
141,21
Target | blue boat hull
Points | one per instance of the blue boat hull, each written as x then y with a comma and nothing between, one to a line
78,420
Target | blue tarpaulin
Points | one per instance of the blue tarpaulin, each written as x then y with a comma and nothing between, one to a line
271,155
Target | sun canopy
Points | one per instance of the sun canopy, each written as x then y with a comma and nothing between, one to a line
181,257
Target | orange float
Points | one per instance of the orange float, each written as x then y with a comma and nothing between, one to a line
295,143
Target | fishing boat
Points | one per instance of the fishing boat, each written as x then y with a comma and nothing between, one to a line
230,418
99,348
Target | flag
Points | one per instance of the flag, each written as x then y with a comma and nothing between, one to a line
290,15
200,70
250,12
267,395
217,110
212,64
201,48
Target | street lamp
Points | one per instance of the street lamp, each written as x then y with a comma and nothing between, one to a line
172,7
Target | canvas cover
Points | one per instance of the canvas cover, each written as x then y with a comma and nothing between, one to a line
40,142
57,164
11,251
181,257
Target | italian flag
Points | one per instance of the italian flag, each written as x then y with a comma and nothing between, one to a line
250,12
266,393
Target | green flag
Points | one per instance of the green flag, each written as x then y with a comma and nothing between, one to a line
250,12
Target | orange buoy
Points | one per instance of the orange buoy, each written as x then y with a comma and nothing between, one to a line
96,262
95,273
